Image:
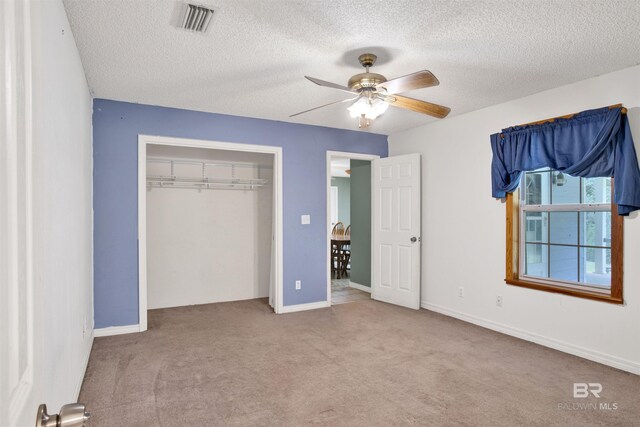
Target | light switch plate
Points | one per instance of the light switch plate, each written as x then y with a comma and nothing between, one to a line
305,219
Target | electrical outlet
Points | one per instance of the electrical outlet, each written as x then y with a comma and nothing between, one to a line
499,301
298,285
461,292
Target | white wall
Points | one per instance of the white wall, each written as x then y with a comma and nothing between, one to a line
464,229
62,212
211,245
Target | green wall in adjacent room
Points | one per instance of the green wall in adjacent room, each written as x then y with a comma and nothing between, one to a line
361,222
344,199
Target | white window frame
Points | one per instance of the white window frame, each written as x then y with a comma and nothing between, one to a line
569,207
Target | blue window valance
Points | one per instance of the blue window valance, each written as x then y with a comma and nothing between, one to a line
594,143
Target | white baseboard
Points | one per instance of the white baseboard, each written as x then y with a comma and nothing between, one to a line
304,307
116,330
360,287
595,356
84,368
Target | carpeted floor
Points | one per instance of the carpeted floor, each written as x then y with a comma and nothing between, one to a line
363,363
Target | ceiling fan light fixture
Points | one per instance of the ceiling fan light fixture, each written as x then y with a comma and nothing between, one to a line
376,108
369,108
359,107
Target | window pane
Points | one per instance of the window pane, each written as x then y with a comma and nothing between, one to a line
537,187
563,245
595,266
536,260
535,227
596,190
564,263
595,228
564,227
564,188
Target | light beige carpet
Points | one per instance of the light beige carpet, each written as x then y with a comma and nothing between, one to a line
364,363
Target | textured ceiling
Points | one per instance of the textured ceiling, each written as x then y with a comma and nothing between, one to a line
252,60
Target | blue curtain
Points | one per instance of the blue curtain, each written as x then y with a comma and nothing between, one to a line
594,143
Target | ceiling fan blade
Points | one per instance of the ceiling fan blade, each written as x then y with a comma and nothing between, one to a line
322,106
417,80
423,107
328,84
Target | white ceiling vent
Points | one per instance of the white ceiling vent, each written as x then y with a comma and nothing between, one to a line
196,18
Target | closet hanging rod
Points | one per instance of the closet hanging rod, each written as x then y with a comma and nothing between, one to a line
205,183
248,181
204,186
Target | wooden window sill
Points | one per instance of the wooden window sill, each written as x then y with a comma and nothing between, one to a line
566,291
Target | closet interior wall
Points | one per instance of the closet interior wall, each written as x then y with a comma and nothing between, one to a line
207,245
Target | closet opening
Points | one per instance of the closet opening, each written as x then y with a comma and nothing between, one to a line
210,216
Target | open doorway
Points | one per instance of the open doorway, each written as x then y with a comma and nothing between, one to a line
348,226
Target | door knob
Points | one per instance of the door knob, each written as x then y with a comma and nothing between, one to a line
71,415
415,239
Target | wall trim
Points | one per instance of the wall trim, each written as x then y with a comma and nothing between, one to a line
84,367
305,307
116,330
585,353
360,287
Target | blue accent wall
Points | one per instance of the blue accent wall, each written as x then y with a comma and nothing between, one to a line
116,126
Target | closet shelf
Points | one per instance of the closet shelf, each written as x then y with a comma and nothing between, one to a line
204,183
170,180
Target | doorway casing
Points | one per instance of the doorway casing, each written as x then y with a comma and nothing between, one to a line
277,265
342,155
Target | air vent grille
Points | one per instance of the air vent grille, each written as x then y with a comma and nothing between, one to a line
196,18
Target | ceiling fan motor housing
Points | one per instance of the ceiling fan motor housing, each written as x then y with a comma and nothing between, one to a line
365,80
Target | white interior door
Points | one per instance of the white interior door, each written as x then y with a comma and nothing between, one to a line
396,230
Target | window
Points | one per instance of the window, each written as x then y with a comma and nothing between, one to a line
564,235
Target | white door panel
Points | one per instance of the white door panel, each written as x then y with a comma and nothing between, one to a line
396,220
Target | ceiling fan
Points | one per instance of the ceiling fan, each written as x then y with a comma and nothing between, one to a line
374,93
